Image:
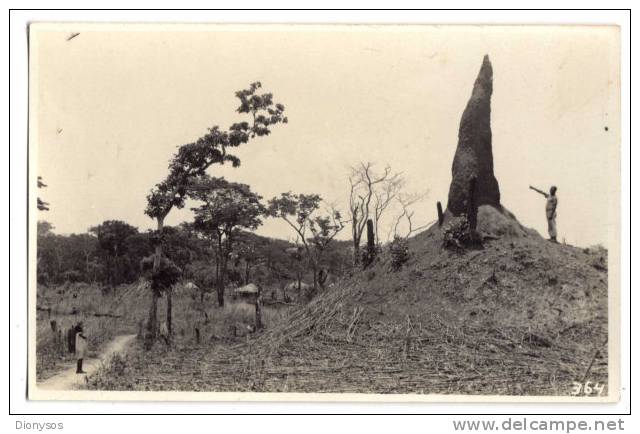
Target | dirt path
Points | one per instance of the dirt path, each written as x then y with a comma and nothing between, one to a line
69,380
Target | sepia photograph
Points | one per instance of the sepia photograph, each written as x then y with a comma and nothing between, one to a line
324,212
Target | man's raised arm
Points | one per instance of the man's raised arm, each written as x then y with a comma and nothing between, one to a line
539,191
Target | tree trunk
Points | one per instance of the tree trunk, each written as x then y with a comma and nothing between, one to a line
110,270
220,270
169,311
152,326
116,268
216,281
314,268
153,309
259,324
220,286
356,252
220,292
375,226
371,242
355,237
223,272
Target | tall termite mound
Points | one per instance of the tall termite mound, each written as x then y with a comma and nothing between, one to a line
473,181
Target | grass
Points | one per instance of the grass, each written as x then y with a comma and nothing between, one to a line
128,304
520,316
69,304
434,358
213,321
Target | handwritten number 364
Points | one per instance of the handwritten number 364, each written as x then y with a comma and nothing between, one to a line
588,388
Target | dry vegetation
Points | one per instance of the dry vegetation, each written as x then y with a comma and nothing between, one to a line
124,311
68,304
517,316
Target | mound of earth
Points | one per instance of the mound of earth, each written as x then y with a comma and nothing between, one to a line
517,315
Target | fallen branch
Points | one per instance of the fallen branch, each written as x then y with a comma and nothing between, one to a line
75,312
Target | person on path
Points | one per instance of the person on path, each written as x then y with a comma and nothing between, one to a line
81,347
71,338
550,208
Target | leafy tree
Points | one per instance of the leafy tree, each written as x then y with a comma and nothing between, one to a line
324,230
139,246
44,234
84,249
273,261
112,239
193,159
251,252
42,205
202,273
182,244
167,275
227,208
64,258
81,257
47,253
45,228
315,232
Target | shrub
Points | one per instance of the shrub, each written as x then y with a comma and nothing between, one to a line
72,276
118,365
368,255
167,274
599,257
457,234
399,250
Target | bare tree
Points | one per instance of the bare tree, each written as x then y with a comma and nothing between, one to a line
406,202
384,197
370,195
300,213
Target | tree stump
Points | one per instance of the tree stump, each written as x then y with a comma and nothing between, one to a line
370,253
170,312
371,238
259,324
60,341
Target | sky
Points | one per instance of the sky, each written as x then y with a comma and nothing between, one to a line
110,107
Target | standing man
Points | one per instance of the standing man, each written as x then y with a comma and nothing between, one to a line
552,204
71,338
81,347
